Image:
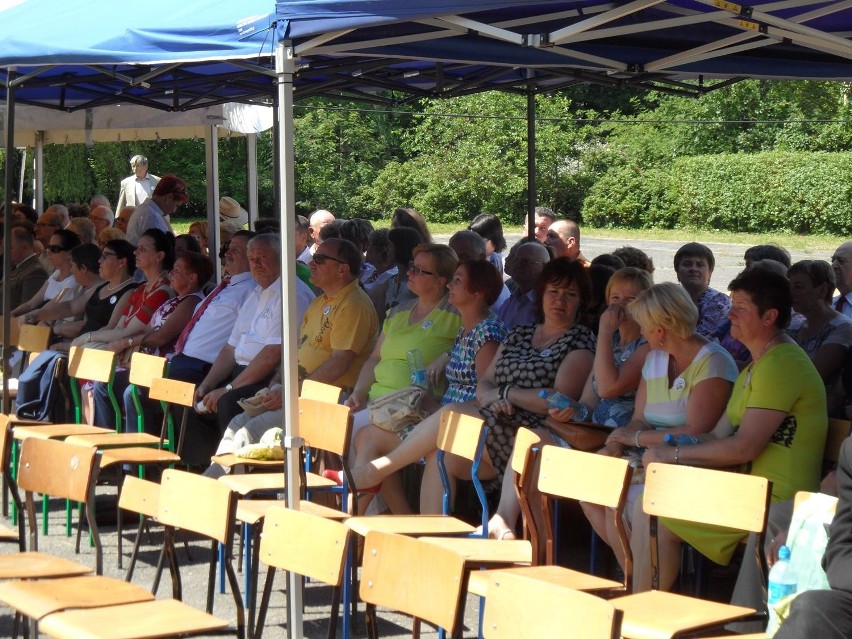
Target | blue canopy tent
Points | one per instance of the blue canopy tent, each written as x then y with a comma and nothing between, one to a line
179,56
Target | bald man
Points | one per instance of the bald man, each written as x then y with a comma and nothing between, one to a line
841,262
563,237
318,220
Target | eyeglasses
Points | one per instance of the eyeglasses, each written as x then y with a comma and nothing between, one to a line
321,259
55,248
107,254
417,270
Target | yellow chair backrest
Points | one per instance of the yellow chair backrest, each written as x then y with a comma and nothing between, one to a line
459,434
172,391
145,368
589,477
320,391
33,338
56,468
91,363
324,425
197,503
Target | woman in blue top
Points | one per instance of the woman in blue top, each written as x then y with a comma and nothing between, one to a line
380,453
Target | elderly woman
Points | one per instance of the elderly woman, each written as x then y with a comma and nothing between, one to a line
555,354
694,264
685,384
825,335
774,425
59,247
473,290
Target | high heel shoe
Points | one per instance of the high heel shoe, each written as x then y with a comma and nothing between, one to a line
338,477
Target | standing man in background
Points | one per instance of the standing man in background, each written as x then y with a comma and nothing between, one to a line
138,187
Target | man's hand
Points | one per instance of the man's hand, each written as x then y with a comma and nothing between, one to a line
211,399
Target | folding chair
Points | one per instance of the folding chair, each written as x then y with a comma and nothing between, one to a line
419,579
520,606
311,546
188,502
703,496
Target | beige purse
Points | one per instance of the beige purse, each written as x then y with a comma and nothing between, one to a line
397,410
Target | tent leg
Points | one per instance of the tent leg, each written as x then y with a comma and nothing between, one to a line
531,194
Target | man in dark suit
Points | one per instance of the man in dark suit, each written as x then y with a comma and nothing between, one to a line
827,614
27,274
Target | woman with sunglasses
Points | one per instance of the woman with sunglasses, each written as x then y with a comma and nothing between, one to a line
59,255
427,323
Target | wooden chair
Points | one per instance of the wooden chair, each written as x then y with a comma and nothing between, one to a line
311,546
572,474
703,496
419,579
31,340
187,502
521,606
16,534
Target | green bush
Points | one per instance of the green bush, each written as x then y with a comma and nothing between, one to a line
765,192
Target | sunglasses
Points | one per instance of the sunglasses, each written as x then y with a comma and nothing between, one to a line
321,259
413,268
54,248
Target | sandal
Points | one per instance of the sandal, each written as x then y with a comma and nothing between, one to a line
338,478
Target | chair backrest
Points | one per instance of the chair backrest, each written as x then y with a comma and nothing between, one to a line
6,443
324,425
320,391
59,469
197,503
414,577
14,330
173,392
550,606
145,368
140,496
838,431
522,468
460,434
581,476
33,338
706,496
92,364
305,544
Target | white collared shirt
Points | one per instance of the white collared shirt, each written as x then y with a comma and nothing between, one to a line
258,323
847,307
213,328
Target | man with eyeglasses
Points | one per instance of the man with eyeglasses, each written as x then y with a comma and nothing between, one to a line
168,195
102,217
524,264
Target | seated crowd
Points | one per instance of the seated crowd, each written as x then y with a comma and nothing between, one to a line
495,337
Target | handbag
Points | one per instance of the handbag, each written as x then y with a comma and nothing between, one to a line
395,411
584,436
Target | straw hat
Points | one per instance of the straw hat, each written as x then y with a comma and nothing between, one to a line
231,211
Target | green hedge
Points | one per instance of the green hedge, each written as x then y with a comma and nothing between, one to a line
794,192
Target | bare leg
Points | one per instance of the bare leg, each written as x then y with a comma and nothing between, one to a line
431,490
640,544
601,520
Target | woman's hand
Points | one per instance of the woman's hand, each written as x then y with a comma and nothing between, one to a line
561,414
436,371
272,400
612,450
664,454
611,318
622,436
81,341
357,400
118,345
489,398
502,406
774,547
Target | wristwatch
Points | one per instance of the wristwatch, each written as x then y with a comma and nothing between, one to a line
229,388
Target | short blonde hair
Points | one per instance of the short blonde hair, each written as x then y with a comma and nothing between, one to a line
666,305
444,257
110,233
640,278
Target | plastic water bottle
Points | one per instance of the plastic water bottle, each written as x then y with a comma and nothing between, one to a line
561,401
416,368
681,439
782,583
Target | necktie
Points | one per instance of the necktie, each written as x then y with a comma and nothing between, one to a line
838,305
184,334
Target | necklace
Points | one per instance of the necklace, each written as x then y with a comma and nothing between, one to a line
544,349
111,287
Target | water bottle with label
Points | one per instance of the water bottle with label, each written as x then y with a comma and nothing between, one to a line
561,401
416,368
782,584
681,439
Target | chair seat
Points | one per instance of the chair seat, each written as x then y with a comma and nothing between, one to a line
486,551
412,525
37,599
252,511
558,575
7,533
37,565
111,439
58,431
137,455
251,483
146,620
658,615
229,460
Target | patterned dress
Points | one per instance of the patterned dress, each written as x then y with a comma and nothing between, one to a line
617,411
461,371
524,366
713,308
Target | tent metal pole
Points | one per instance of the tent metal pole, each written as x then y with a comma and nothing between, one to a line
285,67
531,193
38,173
9,185
211,153
251,178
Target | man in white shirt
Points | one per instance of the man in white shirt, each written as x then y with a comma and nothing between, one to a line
168,195
253,351
138,187
319,219
841,262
